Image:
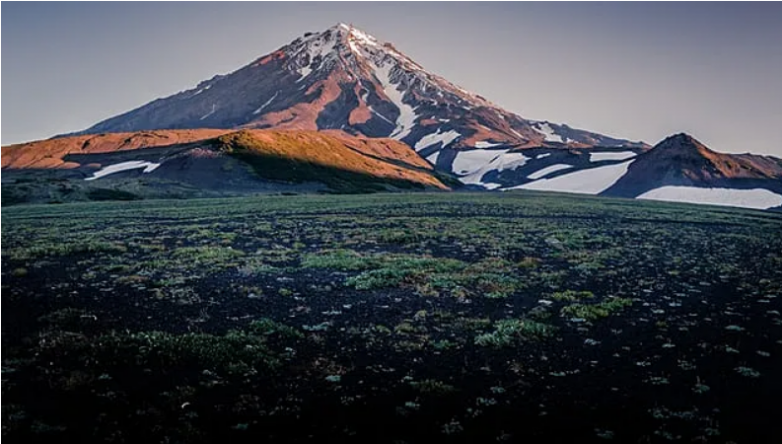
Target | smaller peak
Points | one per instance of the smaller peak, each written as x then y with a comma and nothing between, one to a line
682,141
682,137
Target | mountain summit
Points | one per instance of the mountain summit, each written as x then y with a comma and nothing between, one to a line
344,78
681,160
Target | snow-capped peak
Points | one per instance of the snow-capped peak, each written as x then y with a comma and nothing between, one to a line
360,55
339,33
344,78
357,36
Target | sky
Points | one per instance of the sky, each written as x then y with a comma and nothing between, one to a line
640,71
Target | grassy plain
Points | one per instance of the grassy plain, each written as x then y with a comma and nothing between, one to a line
516,317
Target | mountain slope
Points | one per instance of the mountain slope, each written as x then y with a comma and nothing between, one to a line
52,153
677,169
172,163
343,78
343,82
681,160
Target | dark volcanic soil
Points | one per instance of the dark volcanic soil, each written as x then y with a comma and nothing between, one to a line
391,318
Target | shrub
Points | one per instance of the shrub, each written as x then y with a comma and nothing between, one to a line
269,327
595,311
345,260
432,386
570,295
382,278
200,255
509,331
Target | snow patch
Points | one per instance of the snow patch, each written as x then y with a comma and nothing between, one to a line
518,134
124,166
589,181
545,129
317,46
433,158
541,156
407,115
472,165
430,139
468,162
304,72
485,144
621,155
758,198
509,161
548,170
491,186
361,37
201,90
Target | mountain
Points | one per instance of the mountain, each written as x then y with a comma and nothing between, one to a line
681,160
343,110
205,162
680,168
343,78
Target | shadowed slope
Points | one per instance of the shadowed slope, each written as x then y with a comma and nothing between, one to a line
191,163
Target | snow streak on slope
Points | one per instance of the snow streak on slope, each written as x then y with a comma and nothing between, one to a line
472,165
485,144
430,139
317,46
124,166
548,170
202,90
546,130
214,108
467,162
590,181
758,198
622,155
266,104
407,115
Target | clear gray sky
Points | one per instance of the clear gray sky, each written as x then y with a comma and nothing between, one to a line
639,71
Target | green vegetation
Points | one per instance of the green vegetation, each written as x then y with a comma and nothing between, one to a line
594,312
200,255
269,327
345,260
484,317
66,249
571,295
508,332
